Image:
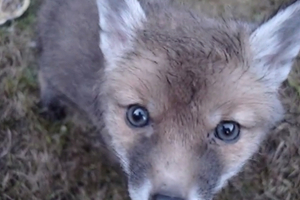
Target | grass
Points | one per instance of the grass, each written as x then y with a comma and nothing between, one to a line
40,160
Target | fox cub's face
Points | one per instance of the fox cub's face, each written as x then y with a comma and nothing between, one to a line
187,100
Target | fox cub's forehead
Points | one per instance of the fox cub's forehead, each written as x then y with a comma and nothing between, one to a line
183,70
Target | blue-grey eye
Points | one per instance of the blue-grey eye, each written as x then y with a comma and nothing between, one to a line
137,116
227,131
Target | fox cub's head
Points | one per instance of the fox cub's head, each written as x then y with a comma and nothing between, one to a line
187,99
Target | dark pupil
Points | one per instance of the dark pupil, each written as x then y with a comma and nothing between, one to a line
228,129
138,115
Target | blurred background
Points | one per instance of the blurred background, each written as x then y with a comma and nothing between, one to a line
42,160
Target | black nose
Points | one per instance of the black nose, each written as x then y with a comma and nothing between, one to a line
164,197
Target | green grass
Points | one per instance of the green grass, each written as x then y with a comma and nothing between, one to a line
40,160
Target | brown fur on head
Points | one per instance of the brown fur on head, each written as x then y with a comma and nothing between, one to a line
189,77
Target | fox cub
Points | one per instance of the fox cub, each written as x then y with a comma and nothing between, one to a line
183,100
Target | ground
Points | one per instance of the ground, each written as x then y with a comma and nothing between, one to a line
40,160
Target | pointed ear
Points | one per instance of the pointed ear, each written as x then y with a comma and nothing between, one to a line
276,44
119,22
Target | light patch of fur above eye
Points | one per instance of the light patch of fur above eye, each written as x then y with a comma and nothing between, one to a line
125,98
214,118
245,117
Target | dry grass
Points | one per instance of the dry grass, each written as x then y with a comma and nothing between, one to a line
40,160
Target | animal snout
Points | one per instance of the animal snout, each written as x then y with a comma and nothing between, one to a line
165,197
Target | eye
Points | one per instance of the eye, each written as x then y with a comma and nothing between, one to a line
137,116
227,131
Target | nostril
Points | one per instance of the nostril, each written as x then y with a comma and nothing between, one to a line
164,197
